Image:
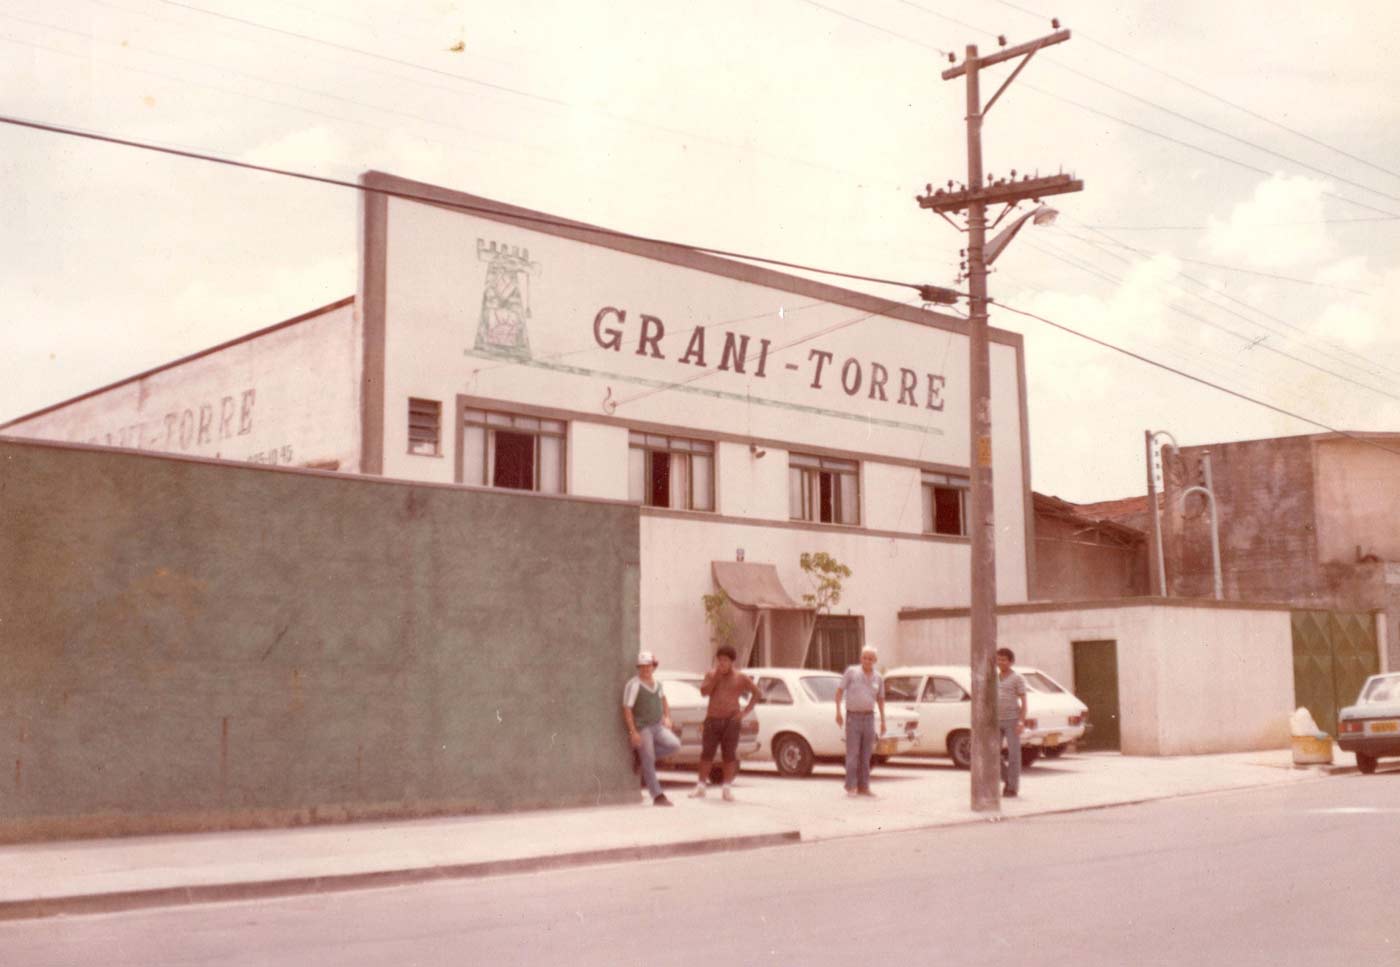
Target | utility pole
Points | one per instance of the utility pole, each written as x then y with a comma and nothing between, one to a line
974,198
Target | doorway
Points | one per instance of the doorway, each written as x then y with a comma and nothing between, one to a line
1096,684
836,643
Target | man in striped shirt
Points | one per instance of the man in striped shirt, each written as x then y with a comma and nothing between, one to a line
1011,718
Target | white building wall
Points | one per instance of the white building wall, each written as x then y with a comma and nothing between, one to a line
883,569
288,396
614,343
1190,680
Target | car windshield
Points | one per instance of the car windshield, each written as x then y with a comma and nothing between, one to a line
821,688
1385,689
902,689
1039,682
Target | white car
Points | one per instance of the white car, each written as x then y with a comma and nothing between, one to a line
942,695
797,720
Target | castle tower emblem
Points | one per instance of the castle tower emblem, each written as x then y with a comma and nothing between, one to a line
505,299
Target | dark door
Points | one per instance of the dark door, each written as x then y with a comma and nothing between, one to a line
1096,684
836,643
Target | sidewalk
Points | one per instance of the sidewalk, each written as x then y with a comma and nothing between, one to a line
91,876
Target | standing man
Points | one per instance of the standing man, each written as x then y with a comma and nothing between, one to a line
648,718
724,684
1011,718
864,690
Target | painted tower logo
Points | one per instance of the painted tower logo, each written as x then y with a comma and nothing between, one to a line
505,299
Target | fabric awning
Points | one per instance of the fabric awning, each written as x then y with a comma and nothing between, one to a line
753,586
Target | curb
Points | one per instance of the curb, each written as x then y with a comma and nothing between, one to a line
125,900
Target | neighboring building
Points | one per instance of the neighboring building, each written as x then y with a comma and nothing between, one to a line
1081,556
750,414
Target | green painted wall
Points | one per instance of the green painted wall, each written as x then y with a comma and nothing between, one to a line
189,645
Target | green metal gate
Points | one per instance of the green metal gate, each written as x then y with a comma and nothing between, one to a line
1333,652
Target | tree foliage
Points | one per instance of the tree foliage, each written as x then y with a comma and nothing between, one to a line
826,574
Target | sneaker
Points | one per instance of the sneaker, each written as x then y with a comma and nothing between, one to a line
728,794
698,792
661,800
866,793
1008,794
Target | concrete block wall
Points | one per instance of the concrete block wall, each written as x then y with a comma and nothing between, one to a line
194,645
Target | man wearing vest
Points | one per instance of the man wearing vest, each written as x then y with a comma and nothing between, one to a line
648,719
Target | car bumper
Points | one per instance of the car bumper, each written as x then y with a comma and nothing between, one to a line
1051,737
1372,745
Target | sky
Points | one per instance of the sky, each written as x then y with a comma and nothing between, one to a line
1240,220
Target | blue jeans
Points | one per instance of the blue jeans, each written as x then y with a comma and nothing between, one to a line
658,742
860,746
1011,768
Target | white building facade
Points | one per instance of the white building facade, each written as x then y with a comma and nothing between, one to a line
746,411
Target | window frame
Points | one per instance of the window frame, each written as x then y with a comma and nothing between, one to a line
424,414
933,481
674,447
493,421
805,489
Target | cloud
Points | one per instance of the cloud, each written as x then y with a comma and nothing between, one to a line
1280,226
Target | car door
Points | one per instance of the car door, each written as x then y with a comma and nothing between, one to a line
944,708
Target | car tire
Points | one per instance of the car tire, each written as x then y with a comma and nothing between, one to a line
879,760
1029,753
717,772
1053,751
792,755
1366,763
960,749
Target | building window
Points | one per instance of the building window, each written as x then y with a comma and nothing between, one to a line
512,451
424,427
822,489
945,503
666,471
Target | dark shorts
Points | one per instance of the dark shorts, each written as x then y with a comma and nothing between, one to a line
721,733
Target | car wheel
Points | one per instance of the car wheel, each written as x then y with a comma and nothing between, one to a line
879,760
1366,763
1029,754
717,772
960,749
792,755
1053,751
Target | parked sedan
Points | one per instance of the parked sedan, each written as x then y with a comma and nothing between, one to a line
688,708
797,726
942,695
1371,727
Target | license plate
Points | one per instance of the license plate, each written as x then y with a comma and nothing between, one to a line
886,747
1053,739
1385,727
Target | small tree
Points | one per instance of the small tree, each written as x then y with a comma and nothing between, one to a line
717,617
826,574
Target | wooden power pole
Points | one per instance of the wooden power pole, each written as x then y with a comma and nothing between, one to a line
974,198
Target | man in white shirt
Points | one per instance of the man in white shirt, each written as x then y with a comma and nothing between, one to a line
864,690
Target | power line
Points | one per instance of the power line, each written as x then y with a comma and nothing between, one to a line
884,30
1213,96
1201,228
1253,342
1158,134
1253,308
1196,379
460,206
503,88
1227,268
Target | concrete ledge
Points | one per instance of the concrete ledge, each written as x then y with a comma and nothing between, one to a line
119,901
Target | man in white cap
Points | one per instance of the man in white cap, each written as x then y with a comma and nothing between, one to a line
648,719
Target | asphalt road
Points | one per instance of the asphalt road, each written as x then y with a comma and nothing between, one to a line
1303,874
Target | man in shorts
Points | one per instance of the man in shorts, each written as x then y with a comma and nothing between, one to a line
647,716
725,684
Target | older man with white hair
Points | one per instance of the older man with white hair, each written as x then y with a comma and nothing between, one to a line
864,691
